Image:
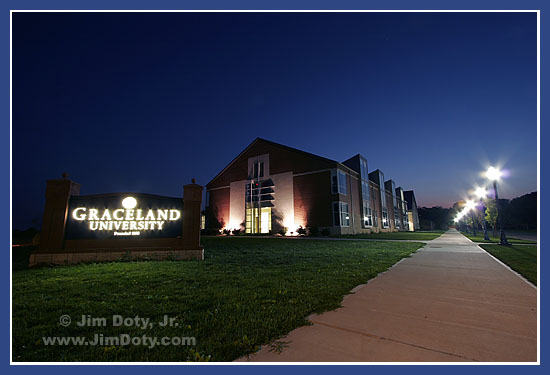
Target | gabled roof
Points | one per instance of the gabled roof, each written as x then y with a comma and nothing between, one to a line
294,150
410,198
374,176
280,146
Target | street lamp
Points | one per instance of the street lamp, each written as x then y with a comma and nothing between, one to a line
470,206
494,174
482,193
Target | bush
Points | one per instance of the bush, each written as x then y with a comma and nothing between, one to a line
236,232
282,231
227,232
210,232
301,231
313,231
36,239
325,232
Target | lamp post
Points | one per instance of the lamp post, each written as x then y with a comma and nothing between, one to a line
482,193
470,206
494,174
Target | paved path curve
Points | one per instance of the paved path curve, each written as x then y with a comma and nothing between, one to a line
450,301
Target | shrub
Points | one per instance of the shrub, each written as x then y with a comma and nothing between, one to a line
313,231
325,232
210,232
301,231
36,239
236,232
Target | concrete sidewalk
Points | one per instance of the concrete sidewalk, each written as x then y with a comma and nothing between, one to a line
450,301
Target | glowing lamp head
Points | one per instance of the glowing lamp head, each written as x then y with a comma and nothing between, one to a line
129,202
457,219
481,192
493,174
470,205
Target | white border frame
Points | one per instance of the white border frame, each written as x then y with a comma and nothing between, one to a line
289,363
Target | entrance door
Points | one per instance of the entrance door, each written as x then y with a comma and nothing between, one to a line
258,222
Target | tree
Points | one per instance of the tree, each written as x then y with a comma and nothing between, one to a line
434,217
491,215
522,212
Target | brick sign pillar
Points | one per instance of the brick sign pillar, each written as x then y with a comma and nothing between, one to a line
58,193
56,248
192,199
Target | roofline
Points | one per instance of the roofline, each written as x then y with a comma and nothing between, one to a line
309,154
281,146
296,150
411,193
232,161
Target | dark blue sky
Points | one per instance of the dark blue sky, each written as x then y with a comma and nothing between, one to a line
144,102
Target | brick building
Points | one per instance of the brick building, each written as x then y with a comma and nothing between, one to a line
412,210
272,187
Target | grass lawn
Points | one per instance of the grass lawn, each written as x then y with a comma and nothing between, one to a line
479,238
246,293
522,259
418,236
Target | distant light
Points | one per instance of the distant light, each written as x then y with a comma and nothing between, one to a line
493,174
470,204
481,192
457,219
129,202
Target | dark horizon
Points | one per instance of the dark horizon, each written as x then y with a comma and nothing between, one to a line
146,101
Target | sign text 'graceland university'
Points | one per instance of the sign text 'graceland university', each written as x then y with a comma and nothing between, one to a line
125,218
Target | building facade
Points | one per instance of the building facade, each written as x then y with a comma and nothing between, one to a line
412,210
272,188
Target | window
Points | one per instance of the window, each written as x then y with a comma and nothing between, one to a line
385,221
339,182
342,183
258,169
383,197
374,218
340,214
364,170
367,215
365,191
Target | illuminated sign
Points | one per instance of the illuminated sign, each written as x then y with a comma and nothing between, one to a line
124,215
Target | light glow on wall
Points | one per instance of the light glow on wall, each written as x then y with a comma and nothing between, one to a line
292,226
